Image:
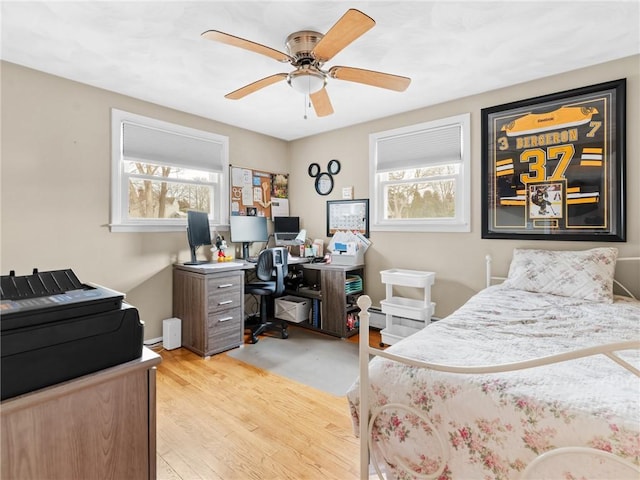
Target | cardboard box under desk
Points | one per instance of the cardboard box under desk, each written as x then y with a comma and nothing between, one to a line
292,309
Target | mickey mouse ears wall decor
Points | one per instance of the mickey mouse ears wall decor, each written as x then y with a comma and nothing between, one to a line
324,180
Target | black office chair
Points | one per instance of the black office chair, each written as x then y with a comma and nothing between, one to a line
271,269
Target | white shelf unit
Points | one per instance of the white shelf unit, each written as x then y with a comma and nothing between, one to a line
420,311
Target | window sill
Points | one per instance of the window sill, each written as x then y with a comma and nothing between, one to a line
133,228
431,228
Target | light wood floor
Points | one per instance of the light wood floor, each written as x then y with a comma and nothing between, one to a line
220,418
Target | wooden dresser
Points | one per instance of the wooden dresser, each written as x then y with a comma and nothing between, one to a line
210,304
101,425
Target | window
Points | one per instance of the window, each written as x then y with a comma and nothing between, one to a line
420,177
161,170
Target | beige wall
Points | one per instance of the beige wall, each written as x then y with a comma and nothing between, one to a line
55,188
457,258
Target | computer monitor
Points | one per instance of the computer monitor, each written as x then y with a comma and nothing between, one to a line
198,233
248,229
286,224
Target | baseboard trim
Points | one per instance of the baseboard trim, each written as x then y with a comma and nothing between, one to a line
152,341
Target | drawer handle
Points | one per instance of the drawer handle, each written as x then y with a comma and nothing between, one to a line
225,319
225,285
226,302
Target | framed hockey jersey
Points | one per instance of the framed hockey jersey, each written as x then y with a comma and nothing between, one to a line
553,167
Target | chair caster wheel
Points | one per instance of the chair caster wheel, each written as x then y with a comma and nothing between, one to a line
284,334
254,340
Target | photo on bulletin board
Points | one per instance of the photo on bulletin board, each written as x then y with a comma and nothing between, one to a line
348,215
279,185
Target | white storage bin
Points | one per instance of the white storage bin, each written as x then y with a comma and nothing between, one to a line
408,278
377,319
395,333
292,309
407,307
344,259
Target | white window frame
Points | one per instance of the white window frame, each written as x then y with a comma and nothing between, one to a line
461,222
218,216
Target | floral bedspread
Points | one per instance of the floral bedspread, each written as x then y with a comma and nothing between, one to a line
491,426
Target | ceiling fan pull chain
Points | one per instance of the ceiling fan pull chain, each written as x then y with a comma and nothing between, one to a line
305,107
307,97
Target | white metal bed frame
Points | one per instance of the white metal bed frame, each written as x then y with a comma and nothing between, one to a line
367,455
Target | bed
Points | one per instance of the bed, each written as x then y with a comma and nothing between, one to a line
536,377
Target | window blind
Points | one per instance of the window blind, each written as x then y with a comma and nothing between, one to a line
170,148
434,146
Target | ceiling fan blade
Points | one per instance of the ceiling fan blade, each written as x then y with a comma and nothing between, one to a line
222,37
255,86
370,77
321,103
350,26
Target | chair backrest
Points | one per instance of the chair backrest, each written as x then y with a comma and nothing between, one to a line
272,265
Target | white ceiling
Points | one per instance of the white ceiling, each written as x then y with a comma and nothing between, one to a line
153,51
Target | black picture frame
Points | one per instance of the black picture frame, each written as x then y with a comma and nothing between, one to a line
313,170
324,183
348,215
553,166
333,167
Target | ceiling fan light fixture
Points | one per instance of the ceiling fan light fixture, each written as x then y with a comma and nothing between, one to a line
308,51
307,81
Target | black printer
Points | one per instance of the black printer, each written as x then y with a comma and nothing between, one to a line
54,328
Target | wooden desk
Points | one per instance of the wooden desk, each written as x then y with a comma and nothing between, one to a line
98,426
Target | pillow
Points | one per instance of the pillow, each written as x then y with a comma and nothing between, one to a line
586,274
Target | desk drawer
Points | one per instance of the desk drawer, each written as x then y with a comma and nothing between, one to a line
224,300
224,291
224,330
229,281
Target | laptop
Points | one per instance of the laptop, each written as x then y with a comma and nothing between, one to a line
285,230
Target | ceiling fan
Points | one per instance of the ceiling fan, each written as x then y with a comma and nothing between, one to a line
307,52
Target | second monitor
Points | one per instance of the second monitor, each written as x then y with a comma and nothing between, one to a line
246,230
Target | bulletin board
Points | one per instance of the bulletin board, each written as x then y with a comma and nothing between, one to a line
258,193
